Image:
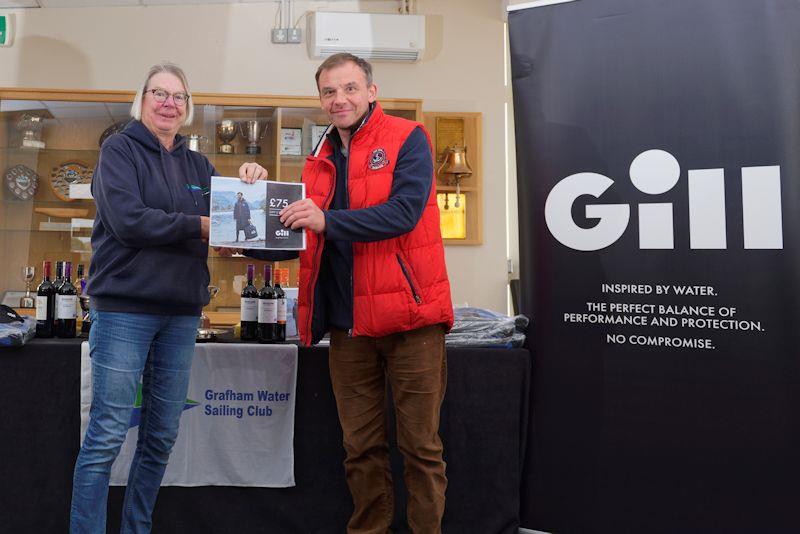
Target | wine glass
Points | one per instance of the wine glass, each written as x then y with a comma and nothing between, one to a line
28,274
205,322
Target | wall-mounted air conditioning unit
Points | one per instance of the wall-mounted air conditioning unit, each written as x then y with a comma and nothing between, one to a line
367,35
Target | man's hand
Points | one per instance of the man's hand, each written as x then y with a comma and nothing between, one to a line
205,225
303,214
250,172
227,252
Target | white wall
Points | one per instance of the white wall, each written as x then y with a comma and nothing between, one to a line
227,49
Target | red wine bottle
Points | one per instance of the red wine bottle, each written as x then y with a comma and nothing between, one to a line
59,274
267,309
280,327
66,305
46,304
81,279
249,304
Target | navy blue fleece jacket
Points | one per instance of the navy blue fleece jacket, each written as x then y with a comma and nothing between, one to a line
147,253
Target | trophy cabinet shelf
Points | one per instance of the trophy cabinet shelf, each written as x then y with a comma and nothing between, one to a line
73,123
22,151
445,188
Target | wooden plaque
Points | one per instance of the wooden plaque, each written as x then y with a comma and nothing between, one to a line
449,133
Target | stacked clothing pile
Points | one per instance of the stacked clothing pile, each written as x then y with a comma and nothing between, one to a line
476,327
15,330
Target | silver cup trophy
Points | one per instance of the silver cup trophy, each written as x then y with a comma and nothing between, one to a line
86,325
253,131
196,142
31,127
27,300
226,131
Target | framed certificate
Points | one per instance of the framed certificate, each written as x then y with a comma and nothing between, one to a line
317,131
291,141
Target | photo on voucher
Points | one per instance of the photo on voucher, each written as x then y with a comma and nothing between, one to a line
238,217
246,215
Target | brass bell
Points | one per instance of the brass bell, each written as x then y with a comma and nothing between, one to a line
455,163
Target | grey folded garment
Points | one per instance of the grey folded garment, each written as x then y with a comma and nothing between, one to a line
478,327
15,330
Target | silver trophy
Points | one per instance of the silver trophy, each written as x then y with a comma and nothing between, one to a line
27,301
195,142
226,131
86,325
254,131
31,128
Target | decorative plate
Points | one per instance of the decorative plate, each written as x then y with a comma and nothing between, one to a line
111,130
68,173
22,181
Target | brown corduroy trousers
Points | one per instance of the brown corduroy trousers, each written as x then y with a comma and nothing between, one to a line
415,364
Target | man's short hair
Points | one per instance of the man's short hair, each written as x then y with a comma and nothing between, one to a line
337,60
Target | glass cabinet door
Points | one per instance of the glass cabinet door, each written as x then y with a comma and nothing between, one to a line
48,152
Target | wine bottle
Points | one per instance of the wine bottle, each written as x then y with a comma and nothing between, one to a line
59,274
80,285
46,304
249,304
66,304
81,280
280,327
267,309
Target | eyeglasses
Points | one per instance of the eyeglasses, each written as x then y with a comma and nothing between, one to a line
161,96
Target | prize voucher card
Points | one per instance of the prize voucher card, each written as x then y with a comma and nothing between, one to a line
246,215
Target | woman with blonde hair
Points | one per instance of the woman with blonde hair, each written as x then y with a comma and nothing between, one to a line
148,282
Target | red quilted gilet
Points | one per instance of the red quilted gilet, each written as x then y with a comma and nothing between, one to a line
399,284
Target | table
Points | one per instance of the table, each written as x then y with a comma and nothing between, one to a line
484,422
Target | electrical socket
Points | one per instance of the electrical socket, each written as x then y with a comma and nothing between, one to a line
278,35
295,35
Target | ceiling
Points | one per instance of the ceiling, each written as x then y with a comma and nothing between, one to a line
7,4
98,3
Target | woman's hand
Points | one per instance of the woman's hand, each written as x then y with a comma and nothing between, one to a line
205,225
250,172
227,252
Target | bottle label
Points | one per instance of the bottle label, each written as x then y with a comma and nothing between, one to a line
282,311
267,311
249,309
66,306
41,308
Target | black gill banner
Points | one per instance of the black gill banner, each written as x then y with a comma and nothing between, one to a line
658,149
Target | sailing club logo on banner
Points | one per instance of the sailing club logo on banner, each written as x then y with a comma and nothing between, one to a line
655,172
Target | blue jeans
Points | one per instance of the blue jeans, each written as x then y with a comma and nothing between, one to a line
125,347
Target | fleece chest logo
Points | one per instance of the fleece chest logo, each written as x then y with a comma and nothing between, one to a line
378,159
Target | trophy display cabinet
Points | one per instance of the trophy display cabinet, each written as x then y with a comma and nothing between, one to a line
49,145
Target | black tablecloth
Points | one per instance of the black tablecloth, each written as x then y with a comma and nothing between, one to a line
484,419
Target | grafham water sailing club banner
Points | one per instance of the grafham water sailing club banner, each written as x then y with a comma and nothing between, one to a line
237,427
658,150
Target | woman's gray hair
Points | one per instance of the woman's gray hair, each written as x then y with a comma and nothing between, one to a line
171,68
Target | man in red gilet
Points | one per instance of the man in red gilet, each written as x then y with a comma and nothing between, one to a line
374,276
